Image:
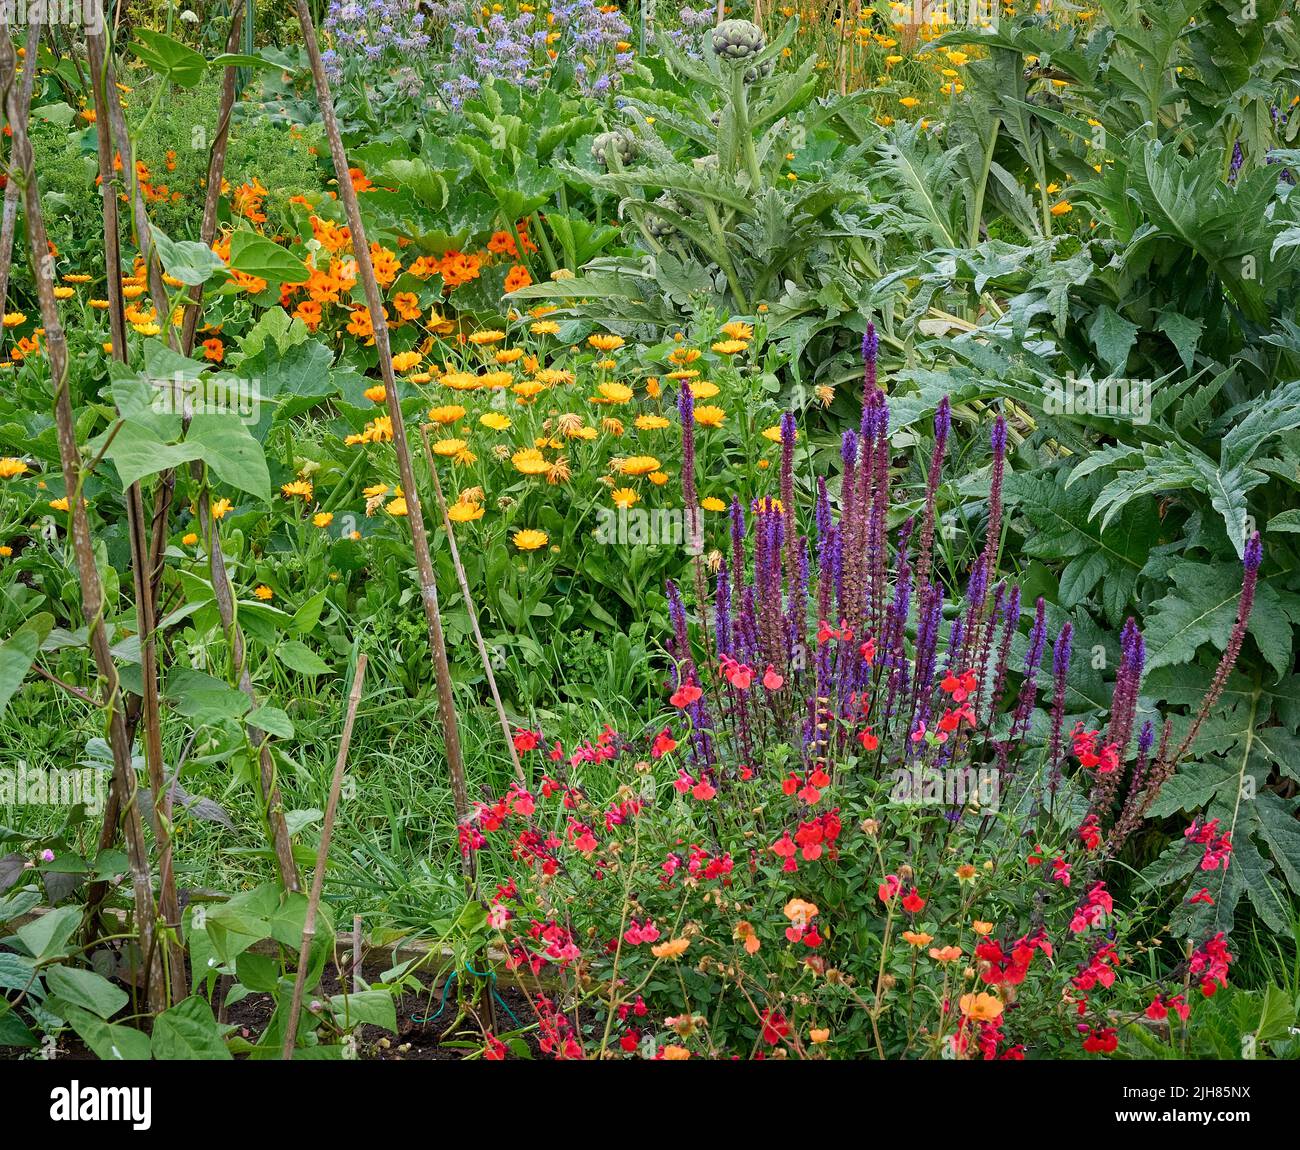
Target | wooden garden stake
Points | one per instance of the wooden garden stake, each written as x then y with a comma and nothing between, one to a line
92,590
142,571
415,514
469,607
13,189
322,854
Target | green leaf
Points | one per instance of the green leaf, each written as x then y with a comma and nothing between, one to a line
86,989
299,657
18,653
255,255
1113,336
109,1042
308,615
188,1032
229,448
273,721
169,58
368,1006
137,451
47,937
189,261
203,699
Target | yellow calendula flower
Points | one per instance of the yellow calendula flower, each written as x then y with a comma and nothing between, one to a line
909,101
378,491
545,327
709,416
612,393
737,330
221,508
406,360
774,433
263,592
10,468
449,447
509,355
639,465
730,346
465,512
528,390
14,319
64,292
323,518
624,497
530,461
658,478
60,504
299,488
483,338
189,539
376,394
651,422
530,540
604,341
450,413
494,420
1061,208
553,376
713,503
76,278
702,388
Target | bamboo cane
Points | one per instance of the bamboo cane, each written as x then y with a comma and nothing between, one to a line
415,514
469,607
92,591
322,856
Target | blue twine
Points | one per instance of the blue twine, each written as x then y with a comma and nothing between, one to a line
491,976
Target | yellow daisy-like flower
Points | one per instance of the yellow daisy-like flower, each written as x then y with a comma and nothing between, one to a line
462,381
60,504
1061,208
509,355
545,327
730,346
702,388
221,508
377,394
449,447
299,488
465,512
494,420
737,330
639,465
10,467
530,461
612,393
774,433
604,341
378,491
396,506
483,338
651,422
322,518
64,292
99,304
263,592
713,503
553,376
530,540
14,319
189,538
450,413
624,497
528,389
146,328
909,101
658,478
406,360
708,416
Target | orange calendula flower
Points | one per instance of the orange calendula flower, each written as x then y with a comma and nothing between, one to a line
376,394
11,468
405,361
639,465
263,592
530,461
603,341
531,540
709,416
730,346
624,497
464,512
299,489
449,413
322,518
